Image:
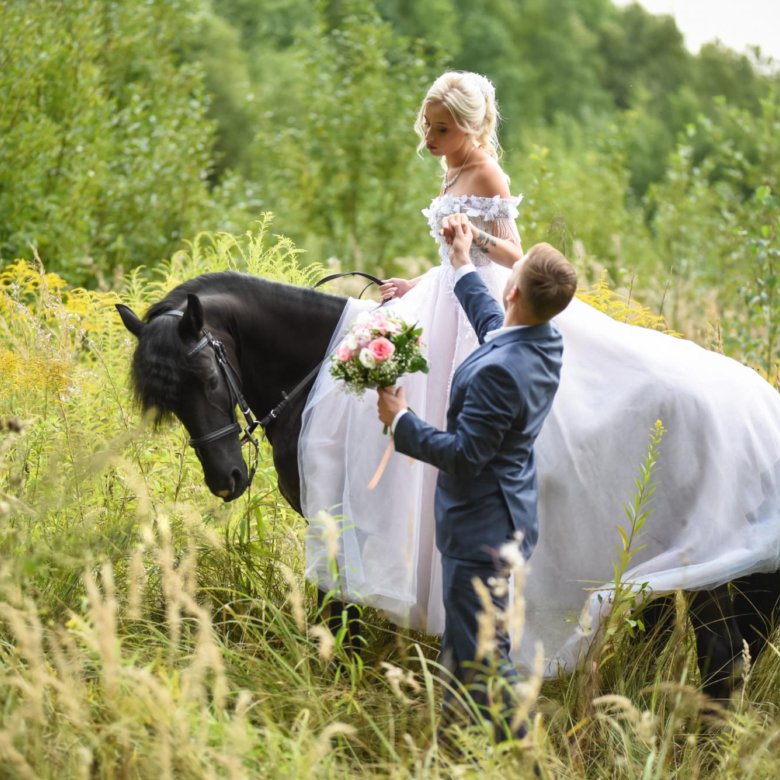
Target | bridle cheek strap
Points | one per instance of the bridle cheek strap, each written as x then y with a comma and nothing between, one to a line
236,397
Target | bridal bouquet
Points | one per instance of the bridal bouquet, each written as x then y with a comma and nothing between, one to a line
378,348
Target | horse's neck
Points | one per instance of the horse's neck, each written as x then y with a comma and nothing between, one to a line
282,339
283,335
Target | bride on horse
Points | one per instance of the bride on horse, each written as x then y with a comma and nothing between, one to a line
717,505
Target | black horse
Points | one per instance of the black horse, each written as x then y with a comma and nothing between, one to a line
224,339
273,335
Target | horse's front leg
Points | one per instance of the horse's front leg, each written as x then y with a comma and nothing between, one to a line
718,640
341,615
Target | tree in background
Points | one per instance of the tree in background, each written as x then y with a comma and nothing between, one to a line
341,166
104,144
126,126
217,50
250,54
650,74
714,219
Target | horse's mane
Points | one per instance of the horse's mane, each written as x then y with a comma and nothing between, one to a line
233,282
159,369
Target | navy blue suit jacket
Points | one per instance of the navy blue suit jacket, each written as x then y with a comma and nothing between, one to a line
501,394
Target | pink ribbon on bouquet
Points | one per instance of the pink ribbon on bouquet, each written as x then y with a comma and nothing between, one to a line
380,469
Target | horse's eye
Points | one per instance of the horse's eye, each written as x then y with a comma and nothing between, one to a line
213,382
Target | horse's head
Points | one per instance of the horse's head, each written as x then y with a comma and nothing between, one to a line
176,370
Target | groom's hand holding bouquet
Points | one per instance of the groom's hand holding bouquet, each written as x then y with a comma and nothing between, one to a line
378,349
392,400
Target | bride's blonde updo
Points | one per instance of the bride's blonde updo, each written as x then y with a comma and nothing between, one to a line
471,99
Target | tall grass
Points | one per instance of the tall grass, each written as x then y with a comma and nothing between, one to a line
147,630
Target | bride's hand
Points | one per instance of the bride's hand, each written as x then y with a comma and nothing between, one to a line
452,222
394,288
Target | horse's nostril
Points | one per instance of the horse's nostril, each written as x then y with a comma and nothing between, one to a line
236,479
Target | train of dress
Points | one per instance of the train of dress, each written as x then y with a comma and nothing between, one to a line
716,507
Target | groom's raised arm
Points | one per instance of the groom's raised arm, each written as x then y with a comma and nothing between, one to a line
482,309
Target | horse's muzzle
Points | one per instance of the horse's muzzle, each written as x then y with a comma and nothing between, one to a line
237,483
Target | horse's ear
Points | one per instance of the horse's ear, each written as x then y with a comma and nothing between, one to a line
130,319
192,322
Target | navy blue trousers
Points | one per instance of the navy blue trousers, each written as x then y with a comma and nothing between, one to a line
462,605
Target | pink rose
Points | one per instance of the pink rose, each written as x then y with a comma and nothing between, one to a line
343,353
382,349
385,325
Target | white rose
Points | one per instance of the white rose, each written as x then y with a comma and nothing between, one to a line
351,342
362,335
366,358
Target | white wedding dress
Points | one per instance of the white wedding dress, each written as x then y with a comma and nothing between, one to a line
716,506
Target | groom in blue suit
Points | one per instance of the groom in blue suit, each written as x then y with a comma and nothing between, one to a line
486,491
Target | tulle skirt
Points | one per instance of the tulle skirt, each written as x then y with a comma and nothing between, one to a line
387,556
715,510
716,506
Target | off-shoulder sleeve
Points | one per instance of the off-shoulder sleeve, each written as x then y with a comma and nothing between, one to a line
495,215
503,227
499,218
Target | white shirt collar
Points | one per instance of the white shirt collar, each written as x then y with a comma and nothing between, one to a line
494,334
490,335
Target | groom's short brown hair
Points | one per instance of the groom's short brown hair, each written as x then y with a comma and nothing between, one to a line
547,281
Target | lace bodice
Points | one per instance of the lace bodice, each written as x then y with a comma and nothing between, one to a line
494,215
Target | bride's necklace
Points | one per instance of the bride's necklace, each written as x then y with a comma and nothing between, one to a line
458,171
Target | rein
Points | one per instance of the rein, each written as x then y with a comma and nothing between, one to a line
371,280
287,397
237,397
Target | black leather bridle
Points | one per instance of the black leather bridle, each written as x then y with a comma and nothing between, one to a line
236,399
234,388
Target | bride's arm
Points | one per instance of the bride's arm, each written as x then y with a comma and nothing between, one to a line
497,238
501,244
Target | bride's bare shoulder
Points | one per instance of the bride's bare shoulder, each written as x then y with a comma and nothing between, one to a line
489,180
